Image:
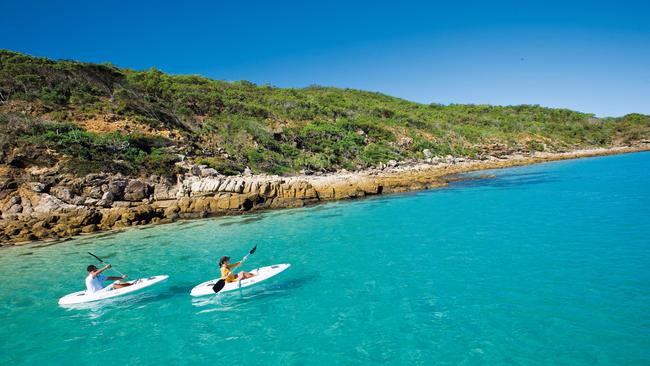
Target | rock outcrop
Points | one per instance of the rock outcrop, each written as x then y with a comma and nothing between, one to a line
65,206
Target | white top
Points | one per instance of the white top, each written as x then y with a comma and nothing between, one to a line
95,284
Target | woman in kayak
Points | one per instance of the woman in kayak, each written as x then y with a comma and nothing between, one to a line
95,280
227,273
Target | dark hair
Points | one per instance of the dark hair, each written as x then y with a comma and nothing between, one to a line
91,268
223,260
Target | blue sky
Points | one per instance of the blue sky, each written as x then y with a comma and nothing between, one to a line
585,55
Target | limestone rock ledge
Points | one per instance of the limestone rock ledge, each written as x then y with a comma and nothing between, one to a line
102,202
65,206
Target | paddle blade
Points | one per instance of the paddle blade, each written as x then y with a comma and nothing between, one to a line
218,286
253,250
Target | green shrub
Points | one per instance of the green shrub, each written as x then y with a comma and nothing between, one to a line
375,153
271,129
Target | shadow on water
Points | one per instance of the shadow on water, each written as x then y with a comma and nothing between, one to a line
245,221
328,216
50,243
107,234
288,212
260,292
83,242
281,289
93,238
101,236
505,181
321,207
294,283
184,225
138,249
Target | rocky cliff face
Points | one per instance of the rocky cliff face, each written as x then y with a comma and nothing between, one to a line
62,206
66,206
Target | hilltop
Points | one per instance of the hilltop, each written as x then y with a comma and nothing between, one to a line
91,118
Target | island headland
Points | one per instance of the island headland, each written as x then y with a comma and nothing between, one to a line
87,147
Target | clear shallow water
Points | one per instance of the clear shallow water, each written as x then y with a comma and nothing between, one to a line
546,264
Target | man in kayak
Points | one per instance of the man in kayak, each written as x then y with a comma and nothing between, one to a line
227,273
95,280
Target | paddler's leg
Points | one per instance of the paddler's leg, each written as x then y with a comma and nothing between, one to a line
244,275
121,284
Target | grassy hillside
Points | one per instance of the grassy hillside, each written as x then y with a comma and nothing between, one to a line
90,117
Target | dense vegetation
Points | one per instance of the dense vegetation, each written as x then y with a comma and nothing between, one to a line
60,111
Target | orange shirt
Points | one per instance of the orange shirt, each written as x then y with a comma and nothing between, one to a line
227,274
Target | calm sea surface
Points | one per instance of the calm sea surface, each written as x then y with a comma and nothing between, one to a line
545,264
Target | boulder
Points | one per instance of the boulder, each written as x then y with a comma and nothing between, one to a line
209,172
171,212
117,187
136,190
107,200
12,211
77,200
89,228
205,185
239,186
27,208
230,187
62,193
164,191
110,217
139,215
91,201
85,217
93,192
184,204
36,186
95,179
48,204
15,200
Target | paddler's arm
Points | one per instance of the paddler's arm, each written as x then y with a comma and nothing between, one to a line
102,270
234,265
114,278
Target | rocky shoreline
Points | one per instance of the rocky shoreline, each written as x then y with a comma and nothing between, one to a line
52,207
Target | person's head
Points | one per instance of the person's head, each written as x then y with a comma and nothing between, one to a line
224,260
91,268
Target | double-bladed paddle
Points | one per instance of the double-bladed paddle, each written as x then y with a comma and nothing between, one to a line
222,281
99,259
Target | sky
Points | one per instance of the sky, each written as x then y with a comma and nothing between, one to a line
588,56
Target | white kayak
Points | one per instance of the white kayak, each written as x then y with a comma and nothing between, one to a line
261,274
82,297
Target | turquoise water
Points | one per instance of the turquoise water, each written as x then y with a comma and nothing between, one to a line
545,264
